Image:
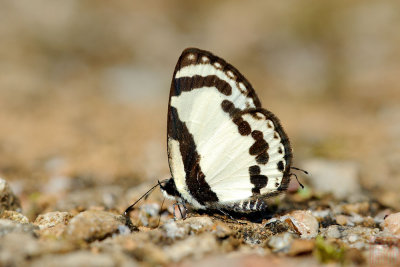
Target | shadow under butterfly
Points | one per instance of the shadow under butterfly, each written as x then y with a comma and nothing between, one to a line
225,151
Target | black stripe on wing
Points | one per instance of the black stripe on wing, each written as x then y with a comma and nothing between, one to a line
195,56
195,178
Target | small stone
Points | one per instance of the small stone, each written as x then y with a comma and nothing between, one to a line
342,220
149,214
276,226
14,216
92,225
198,223
355,256
16,247
123,230
78,258
222,231
303,222
195,246
173,230
333,232
359,208
389,199
8,201
392,224
337,177
301,246
321,214
51,219
352,238
380,217
52,224
281,242
8,226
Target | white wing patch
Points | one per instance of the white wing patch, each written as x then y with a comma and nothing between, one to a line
225,157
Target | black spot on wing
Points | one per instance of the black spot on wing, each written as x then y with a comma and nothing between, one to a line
257,179
280,166
260,146
184,84
254,170
262,158
195,178
229,107
243,126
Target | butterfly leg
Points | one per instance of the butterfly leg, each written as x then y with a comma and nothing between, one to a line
179,204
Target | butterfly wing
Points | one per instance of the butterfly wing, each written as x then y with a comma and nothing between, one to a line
222,146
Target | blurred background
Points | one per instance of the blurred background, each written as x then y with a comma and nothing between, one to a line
84,86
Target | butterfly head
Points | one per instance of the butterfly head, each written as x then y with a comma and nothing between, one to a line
169,189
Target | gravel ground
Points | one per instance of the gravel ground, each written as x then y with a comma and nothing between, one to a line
305,228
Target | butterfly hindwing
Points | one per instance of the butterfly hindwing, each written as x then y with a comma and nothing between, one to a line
223,148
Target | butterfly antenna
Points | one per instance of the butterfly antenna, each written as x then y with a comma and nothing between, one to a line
298,169
128,221
302,186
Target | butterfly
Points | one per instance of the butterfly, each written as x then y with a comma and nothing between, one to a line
225,151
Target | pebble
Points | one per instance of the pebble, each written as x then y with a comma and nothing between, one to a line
391,224
193,246
14,216
342,219
276,226
198,223
352,238
150,209
79,258
8,201
8,226
222,231
92,225
321,214
359,208
301,246
337,177
19,246
303,222
51,219
333,232
173,230
123,230
281,242
149,214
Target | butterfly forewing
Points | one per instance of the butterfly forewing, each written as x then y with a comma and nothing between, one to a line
222,146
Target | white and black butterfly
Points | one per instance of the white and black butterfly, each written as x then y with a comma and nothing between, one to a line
225,151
